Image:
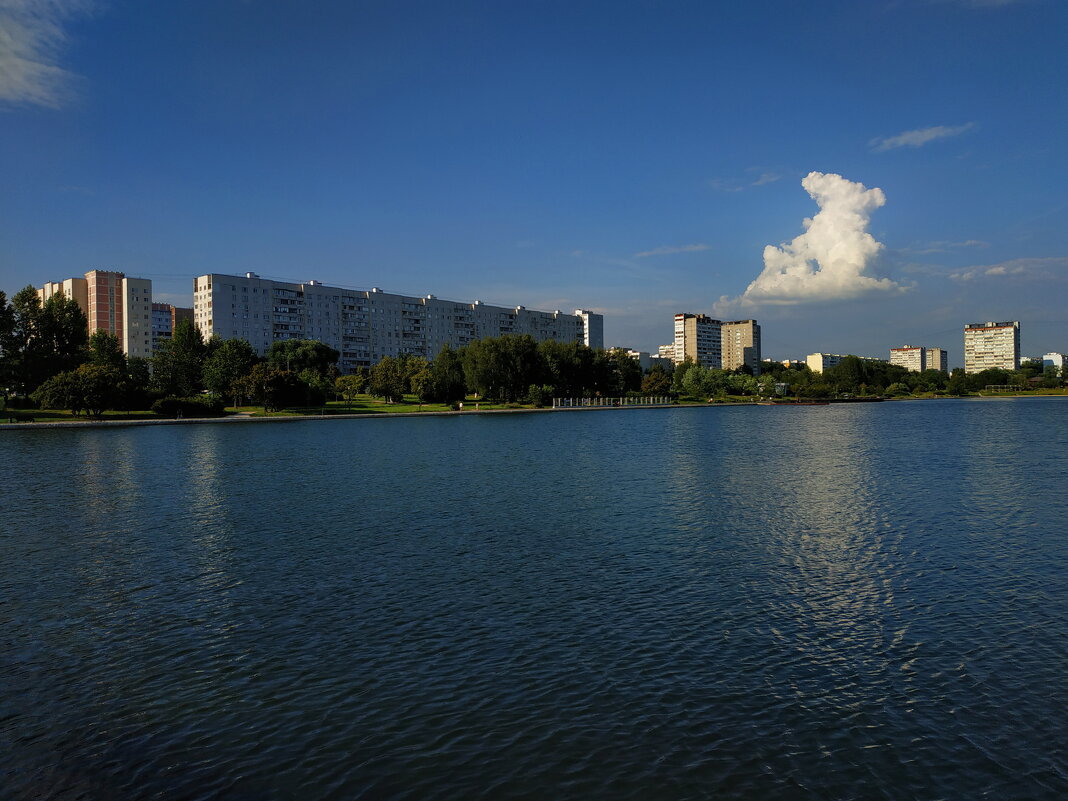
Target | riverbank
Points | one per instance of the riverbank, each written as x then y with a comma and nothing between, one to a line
244,417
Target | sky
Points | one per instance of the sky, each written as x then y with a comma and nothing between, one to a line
854,176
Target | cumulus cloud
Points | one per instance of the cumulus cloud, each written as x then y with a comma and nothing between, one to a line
918,137
31,37
832,259
667,250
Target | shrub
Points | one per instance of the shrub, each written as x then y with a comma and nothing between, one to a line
172,406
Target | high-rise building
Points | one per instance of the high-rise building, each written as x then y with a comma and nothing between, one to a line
164,318
741,345
991,345
76,289
698,338
937,359
593,328
366,325
910,357
114,303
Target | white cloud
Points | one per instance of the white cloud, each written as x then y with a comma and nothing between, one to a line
918,137
667,250
766,178
1047,268
832,259
31,36
944,246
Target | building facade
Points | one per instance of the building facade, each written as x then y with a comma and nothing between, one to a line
937,359
741,345
818,362
991,345
698,338
910,357
114,303
164,318
367,325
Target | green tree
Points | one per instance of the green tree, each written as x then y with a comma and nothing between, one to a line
271,388
8,349
656,381
105,351
231,360
388,380
92,388
349,386
45,339
444,380
297,355
178,365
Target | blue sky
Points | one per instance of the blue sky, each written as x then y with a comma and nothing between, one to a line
632,157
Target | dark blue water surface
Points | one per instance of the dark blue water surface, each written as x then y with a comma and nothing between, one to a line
844,602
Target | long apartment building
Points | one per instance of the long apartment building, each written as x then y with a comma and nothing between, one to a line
114,303
991,345
714,343
367,325
917,358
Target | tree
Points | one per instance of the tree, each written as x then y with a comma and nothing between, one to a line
45,339
270,387
388,380
105,351
443,381
656,381
178,365
64,330
231,360
297,355
349,386
8,350
92,388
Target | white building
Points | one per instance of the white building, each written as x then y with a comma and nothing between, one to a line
910,357
919,358
367,325
991,345
1054,360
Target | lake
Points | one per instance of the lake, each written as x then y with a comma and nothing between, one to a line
845,602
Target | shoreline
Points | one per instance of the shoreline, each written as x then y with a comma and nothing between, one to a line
296,418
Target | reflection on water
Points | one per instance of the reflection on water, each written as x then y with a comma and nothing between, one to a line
827,602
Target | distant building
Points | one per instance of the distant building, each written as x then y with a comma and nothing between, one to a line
667,352
1054,360
77,289
910,357
698,338
919,359
114,303
164,318
991,345
741,345
593,328
818,362
367,325
647,360
937,359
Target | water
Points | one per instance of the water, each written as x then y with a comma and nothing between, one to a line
844,602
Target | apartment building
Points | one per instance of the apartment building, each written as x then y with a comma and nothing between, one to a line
818,362
991,345
910,357
937,359
114,303
367,325
164,318
698,338
741,345
76,289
